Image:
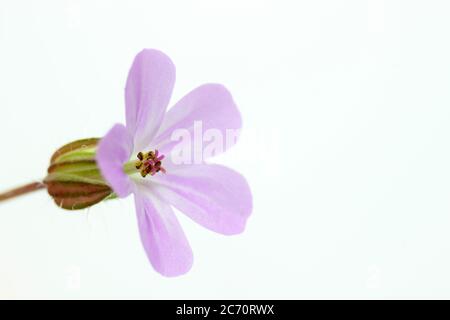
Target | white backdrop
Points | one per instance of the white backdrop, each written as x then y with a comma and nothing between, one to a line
346,117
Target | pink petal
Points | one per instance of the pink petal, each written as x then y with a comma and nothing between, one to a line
211,104
113,151
147,94
216,197
164,241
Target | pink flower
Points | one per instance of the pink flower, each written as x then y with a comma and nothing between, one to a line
135,159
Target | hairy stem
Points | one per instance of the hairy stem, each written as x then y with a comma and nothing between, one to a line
34,186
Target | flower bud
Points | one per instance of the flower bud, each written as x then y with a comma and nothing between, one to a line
74,180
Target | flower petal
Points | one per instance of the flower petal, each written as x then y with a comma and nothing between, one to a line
113,151
214,196
162,237
210,106
147,94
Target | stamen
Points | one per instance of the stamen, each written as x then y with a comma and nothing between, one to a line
149,163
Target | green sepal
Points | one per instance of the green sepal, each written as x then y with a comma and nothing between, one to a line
74,179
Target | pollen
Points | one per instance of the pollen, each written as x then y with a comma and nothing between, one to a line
149,163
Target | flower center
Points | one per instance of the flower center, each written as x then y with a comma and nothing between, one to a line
149,163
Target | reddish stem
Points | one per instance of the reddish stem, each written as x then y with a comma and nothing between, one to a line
34,186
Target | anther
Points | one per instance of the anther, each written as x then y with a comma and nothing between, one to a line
149,163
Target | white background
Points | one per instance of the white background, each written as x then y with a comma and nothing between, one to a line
345,145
